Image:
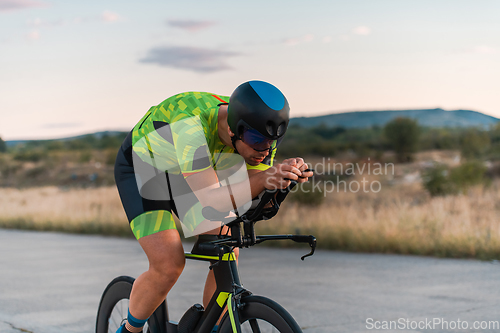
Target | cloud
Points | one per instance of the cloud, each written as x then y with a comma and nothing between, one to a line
359,30
327,39
299,40
484,49
7,5
33,35
362,30
61,125
39,23
108,16
190,25
478,49
190,58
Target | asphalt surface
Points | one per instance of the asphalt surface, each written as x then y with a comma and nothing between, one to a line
51,283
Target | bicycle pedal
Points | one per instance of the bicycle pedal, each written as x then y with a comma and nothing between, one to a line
190,319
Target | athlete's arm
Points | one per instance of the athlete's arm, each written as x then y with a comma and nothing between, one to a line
205,185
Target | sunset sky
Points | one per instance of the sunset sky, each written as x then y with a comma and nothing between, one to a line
74,67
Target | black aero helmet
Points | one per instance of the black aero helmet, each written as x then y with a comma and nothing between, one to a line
260,107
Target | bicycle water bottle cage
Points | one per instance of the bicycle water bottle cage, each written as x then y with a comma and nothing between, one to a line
190,319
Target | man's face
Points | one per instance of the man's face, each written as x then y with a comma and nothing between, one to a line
250,155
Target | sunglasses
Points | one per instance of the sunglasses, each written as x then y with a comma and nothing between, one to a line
257,141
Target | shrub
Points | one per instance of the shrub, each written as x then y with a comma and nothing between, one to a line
85,156
3,146
403,135
305,194
441,180
468,174
35,172
474,144
110,156
54,145
436,181
29,156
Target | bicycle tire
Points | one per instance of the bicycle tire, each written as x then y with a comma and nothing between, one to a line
269,316
113,308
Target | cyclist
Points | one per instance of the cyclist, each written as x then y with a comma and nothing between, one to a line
251,123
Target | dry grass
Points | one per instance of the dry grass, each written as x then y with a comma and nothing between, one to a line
398,219
95,210
402,219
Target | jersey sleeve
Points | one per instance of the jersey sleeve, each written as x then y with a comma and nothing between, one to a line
193,154
153,144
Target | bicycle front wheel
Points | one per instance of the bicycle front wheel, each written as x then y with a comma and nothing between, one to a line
113,308
261,315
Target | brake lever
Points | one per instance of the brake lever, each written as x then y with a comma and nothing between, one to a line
312,244
311,240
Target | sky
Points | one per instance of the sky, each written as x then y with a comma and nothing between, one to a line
75,67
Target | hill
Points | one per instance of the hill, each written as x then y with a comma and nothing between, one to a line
91,136
425,117
359,119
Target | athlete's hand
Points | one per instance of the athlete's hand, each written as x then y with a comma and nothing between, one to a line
278,176
298,162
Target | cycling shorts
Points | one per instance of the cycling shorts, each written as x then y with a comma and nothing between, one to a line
145,216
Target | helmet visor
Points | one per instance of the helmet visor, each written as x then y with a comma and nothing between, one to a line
258,141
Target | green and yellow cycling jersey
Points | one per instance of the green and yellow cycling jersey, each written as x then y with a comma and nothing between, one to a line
180,135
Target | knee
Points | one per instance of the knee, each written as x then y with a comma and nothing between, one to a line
167,272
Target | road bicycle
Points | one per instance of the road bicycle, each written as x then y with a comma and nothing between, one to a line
241,311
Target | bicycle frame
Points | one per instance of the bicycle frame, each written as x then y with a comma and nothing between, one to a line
228,287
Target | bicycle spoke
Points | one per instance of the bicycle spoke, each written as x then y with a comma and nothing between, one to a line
121,308
116,324
124,308
118,315
110,328
254,325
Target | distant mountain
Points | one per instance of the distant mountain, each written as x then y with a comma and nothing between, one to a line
426,117
359,119
97,135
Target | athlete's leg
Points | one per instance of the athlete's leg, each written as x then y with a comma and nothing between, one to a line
149,213
166,262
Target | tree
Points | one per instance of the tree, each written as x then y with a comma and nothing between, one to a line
3,146
403,135
474,144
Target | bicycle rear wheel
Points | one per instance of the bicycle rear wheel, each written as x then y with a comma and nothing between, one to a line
261,315
113,308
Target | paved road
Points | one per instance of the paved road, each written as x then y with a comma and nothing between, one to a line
51,283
